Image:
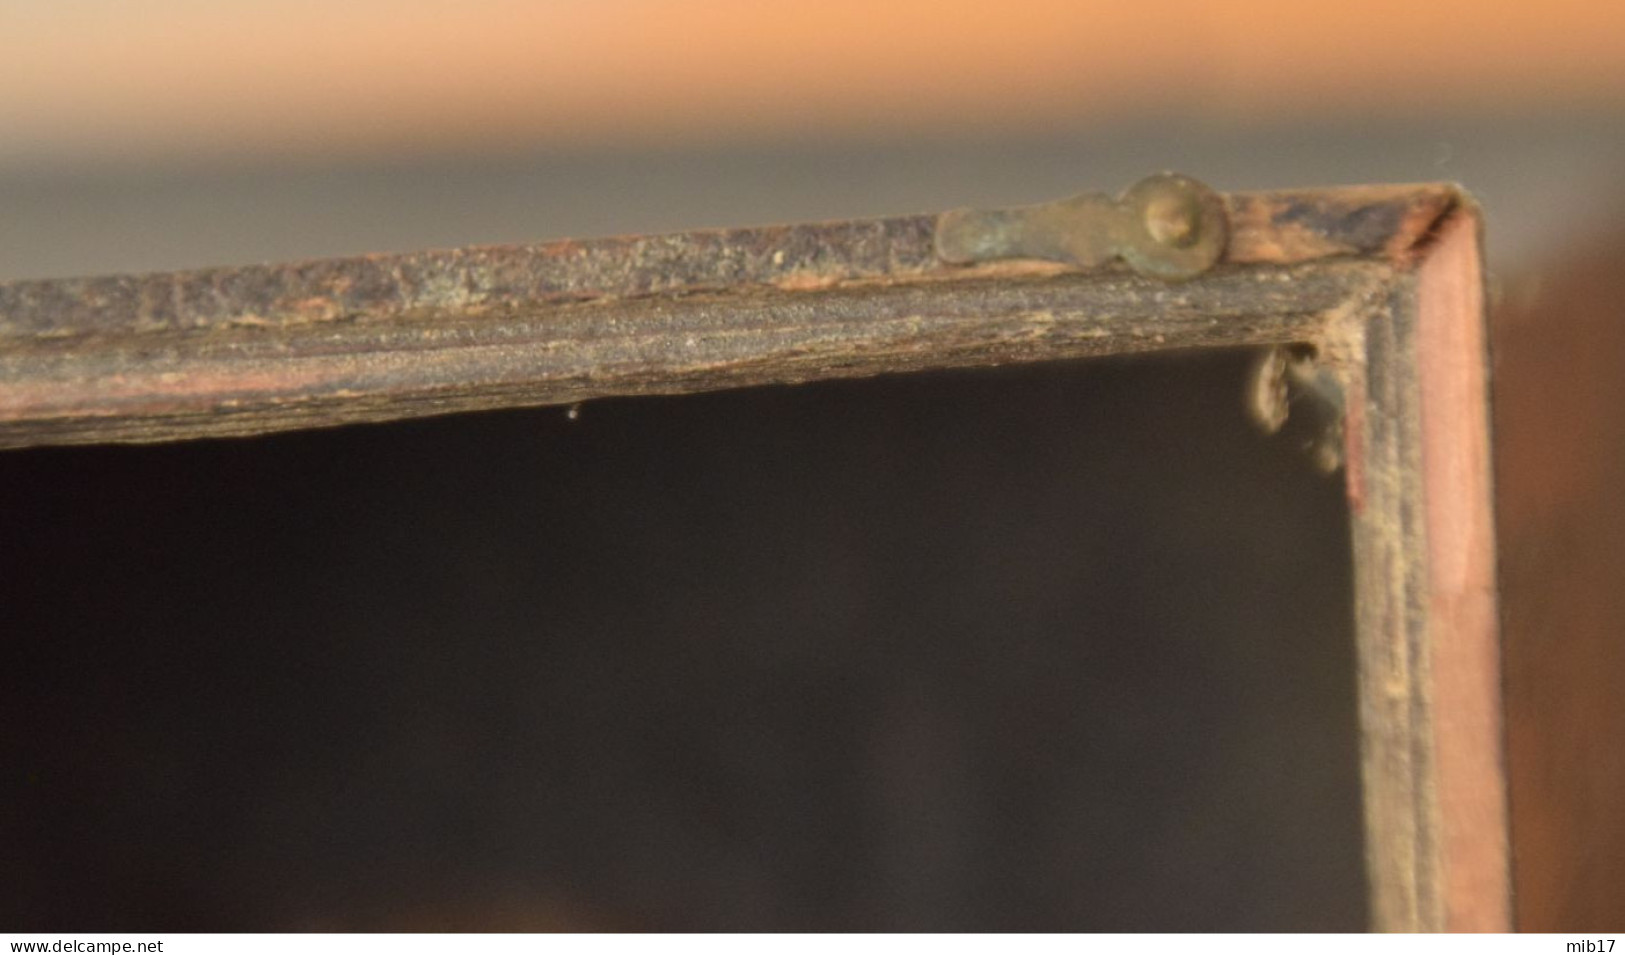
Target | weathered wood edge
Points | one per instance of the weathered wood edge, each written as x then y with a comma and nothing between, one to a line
1428,645
1382,275
1457,473
1268,228
200,386
241,351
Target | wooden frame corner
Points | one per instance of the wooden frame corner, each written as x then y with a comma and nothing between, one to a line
1386,282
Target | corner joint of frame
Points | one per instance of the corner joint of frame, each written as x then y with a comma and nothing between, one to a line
1454,205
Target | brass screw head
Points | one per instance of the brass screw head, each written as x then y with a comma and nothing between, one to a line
1171,220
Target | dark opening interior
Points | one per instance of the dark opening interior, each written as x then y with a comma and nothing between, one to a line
1050,647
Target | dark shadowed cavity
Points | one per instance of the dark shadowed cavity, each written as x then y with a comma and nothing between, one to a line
1053,647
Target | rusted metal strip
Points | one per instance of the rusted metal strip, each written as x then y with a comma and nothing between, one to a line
260,348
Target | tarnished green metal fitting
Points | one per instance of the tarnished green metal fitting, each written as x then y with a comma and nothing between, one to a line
1166,226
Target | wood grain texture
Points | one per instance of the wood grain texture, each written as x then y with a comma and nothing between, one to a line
247,350
1384,280
1429,651
189,386
1453,357
1384,482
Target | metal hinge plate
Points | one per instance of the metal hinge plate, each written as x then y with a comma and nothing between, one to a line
1166,226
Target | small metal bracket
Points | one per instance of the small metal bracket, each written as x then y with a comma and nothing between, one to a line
1166,226
1284,376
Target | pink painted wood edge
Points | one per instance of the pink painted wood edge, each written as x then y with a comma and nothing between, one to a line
1465,634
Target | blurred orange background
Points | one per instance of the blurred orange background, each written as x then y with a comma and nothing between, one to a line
160,80
177,133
